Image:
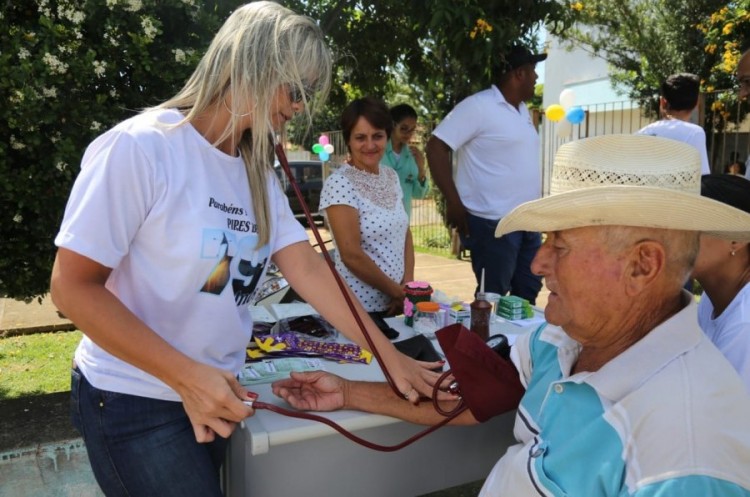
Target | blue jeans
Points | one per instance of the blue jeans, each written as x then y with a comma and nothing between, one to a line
143,447
506,260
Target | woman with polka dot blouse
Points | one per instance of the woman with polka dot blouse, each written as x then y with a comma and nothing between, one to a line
362,202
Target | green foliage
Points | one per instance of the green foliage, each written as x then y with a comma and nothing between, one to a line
72,69
724,31
34,364
444,52
460,50
644,42
431,236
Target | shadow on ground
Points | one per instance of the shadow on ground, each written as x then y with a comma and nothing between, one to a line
35,419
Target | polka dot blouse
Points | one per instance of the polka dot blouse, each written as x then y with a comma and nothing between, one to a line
382,225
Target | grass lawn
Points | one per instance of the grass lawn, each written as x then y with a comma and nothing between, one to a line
36,364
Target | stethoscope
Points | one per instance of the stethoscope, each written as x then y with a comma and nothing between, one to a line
452,387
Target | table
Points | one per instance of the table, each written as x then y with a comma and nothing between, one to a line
272,455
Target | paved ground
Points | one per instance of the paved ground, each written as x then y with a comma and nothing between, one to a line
451,275
448,274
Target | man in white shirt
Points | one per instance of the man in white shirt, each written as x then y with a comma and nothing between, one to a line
499,168
679,97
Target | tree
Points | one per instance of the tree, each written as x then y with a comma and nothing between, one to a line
727,34
444,52
71,69
646,41
643,41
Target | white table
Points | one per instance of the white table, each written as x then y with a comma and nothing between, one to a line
272,455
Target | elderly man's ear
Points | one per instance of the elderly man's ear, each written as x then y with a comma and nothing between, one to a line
647,262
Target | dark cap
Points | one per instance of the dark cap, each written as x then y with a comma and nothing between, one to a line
519,56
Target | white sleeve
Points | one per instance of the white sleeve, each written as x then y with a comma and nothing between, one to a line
338,190
460,125
111,197
734,343
520,355
698,140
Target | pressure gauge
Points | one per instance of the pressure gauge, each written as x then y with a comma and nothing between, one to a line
499,343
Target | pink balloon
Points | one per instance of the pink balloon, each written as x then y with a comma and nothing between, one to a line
323,140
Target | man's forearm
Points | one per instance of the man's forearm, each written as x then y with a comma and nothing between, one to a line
379,398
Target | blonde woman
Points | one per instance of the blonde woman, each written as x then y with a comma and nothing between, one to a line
162,247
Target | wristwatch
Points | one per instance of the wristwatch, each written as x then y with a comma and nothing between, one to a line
499,343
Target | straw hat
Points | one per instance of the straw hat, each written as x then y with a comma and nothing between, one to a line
627,180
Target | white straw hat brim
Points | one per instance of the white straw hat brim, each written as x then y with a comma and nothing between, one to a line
619,205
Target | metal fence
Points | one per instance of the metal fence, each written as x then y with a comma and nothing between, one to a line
726,141
625,116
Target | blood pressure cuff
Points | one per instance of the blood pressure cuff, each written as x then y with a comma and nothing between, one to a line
489,384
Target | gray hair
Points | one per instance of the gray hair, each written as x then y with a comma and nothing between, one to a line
680,246
261,47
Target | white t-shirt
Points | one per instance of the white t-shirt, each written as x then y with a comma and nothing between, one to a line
686,132
498,153
172,215
382,225
730,332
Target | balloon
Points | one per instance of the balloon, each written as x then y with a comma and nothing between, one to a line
323,148
575,115
555,112
564,128
567,98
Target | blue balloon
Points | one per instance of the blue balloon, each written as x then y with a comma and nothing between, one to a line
575,115
324,156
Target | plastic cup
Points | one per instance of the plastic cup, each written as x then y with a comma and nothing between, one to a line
492,298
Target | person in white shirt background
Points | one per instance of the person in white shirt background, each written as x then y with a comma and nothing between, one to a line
678,100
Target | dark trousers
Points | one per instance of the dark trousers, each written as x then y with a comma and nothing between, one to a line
506,260
143,447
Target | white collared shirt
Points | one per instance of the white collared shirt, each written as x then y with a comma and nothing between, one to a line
667,417
498,153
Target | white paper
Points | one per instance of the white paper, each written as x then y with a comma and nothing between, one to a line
261,314
282,311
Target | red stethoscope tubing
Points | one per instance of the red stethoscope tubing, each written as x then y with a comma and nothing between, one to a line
327,256
449,415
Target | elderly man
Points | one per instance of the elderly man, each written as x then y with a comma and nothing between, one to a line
624,394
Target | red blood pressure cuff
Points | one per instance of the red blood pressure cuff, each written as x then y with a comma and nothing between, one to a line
488,383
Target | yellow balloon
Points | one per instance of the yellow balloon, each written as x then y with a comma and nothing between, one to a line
555,112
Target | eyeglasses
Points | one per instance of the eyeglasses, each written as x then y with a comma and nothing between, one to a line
306,94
